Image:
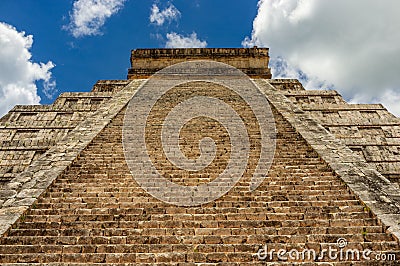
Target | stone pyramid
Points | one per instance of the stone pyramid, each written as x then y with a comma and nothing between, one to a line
68,195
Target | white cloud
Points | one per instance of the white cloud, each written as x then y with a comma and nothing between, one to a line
354,45
88,16
18,73
282,69
159,17
49,87
389,98
175,40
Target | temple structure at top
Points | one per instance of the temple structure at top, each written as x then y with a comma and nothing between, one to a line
252,61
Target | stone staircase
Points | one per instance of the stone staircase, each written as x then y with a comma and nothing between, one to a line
95,213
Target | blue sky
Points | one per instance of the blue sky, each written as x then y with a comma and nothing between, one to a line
81,61
326,44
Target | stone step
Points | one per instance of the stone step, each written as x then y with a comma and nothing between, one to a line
140,208
161,217
73,235
153,245
209,256
280,202
295,195
153,227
